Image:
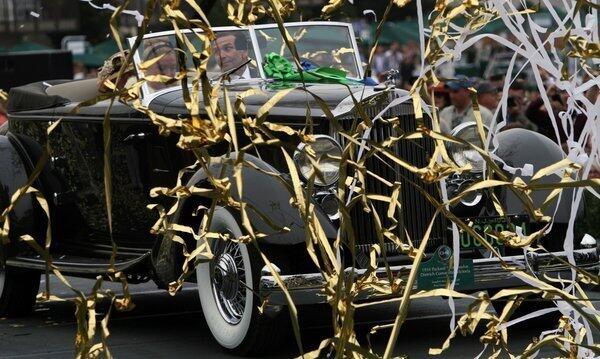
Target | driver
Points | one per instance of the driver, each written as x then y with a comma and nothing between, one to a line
167,65
232,51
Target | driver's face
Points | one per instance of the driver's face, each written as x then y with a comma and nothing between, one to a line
228,56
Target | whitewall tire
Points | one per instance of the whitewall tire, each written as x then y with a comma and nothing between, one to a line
226,287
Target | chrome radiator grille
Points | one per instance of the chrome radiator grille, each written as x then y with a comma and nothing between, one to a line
417,211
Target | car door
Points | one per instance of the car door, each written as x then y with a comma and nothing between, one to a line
139,160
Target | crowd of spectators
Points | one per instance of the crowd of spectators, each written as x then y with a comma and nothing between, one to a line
525,107
403,58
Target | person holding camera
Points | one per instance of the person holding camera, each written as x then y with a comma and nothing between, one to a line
515,108
539,115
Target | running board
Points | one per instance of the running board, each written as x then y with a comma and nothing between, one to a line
69,264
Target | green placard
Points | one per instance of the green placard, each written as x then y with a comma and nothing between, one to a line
438,272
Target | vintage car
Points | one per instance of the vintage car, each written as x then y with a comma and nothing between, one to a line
236,282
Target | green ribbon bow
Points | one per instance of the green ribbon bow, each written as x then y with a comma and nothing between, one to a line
280,68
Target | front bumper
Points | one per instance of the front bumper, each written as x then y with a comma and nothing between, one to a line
488,273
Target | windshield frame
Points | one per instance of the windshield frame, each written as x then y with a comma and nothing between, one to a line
348,26
148,95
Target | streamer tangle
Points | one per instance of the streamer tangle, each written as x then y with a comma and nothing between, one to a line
449,31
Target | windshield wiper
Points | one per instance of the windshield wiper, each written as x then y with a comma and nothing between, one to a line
230,71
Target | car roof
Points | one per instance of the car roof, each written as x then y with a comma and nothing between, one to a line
33,96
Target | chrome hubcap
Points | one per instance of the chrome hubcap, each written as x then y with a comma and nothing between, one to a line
228,278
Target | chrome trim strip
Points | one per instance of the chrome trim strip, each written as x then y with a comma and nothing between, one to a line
307,288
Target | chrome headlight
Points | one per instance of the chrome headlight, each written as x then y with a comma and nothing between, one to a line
325,153
464,154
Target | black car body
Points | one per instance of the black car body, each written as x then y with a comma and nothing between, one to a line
141,160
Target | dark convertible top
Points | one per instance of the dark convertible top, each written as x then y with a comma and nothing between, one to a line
33,96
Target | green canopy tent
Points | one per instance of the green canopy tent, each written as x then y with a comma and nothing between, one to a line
90,59
408,30
97,54
400,32
25,46
108,46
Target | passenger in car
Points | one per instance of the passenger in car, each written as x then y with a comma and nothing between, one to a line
166,66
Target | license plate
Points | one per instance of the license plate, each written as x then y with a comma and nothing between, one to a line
492,224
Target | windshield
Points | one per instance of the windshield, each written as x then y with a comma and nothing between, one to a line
245,50
231,49
317,45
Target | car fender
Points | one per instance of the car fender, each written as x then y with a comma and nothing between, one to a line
268,196
12,177
520,147
266,192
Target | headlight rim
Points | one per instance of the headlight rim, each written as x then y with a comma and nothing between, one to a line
300,149
456,132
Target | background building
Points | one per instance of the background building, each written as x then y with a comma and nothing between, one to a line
27,23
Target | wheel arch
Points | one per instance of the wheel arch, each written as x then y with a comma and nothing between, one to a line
266,192
25,217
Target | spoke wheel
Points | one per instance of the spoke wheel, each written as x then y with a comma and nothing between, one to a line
229,282
18,286
227,286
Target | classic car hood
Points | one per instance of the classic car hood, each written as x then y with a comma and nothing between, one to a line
294,104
